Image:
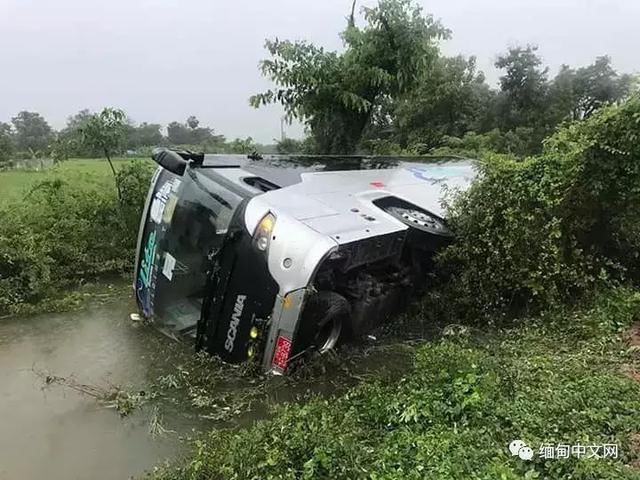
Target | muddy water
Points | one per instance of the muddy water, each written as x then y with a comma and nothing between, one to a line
58,433
55,432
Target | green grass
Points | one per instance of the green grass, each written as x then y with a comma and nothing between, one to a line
91,173
558,380
64,226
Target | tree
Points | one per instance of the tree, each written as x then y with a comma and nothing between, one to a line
239,145
69,140
193,122
577,94
79,120
524,87
201,135
562,96
6,143
287,146
32,132
191,133
178,134
338,95
105,132
598,84
144,135
449,100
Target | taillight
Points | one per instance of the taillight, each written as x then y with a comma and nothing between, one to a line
281,353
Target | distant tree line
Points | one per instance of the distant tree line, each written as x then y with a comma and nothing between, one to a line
29,135
391,90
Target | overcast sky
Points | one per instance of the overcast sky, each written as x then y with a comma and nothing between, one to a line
163,60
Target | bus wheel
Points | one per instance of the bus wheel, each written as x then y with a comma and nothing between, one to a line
327,311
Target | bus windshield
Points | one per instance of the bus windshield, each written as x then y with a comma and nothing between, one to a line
193,223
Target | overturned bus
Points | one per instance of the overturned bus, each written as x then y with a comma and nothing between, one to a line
267,258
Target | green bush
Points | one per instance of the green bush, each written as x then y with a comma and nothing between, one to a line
454,414
65,232
134,183
601,208
518,142
550,228
25,270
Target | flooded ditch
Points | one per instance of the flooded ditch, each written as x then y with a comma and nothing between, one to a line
56,432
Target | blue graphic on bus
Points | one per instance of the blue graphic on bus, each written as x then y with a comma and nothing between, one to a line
143,283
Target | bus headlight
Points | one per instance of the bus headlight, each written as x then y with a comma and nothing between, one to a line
262,234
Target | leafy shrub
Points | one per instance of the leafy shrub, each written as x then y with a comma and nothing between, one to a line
454,414
381,146
549,228
133,180
602,205
63,232
25,270
519,142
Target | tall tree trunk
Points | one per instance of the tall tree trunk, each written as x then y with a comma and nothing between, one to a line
115,175
352,18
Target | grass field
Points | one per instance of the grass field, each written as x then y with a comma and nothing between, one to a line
15,184
64,225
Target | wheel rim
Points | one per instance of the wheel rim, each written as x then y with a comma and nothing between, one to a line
328,335
416,217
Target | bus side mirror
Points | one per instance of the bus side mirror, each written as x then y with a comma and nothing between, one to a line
169,160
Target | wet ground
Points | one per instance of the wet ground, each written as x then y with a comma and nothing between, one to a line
55,432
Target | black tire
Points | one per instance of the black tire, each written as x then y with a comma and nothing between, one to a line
322,322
